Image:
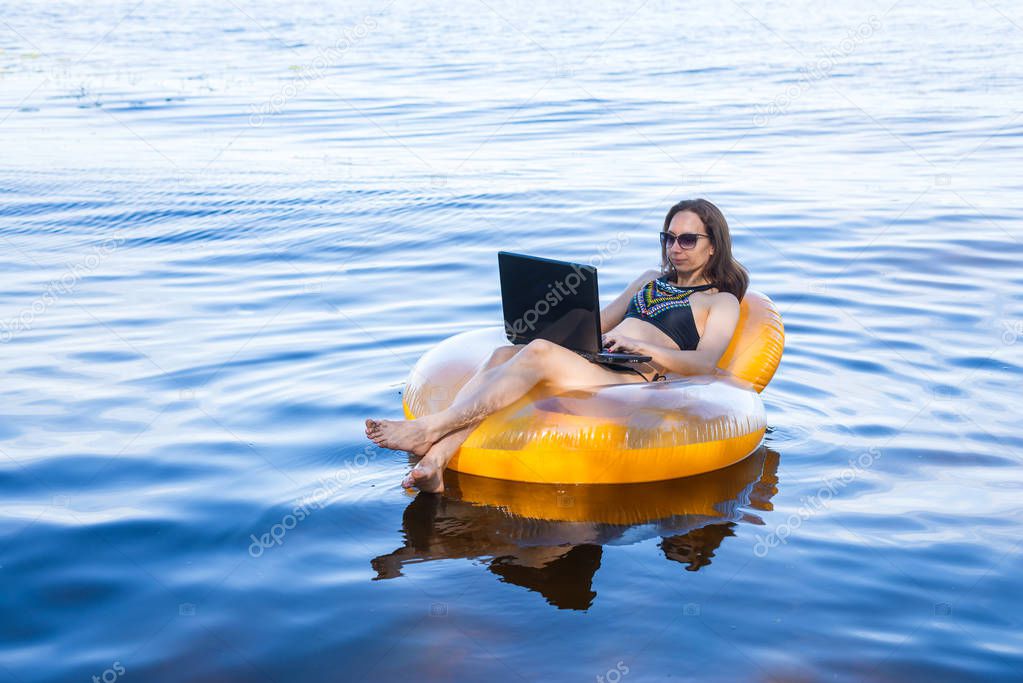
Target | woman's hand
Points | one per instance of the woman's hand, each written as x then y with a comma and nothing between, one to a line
619,343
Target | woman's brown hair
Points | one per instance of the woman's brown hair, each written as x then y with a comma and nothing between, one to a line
727,274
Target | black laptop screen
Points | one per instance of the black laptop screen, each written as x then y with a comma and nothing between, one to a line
549,299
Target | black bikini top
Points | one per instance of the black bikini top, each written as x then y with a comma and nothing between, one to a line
666,307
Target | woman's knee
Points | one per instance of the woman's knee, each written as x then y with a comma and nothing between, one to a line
538,351
503,354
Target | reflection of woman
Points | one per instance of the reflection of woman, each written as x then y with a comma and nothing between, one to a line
439,528
528,535
682,316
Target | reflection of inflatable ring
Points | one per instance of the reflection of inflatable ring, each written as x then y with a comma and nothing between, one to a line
616,433
549,538
678,504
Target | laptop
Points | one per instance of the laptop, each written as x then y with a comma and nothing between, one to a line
554,300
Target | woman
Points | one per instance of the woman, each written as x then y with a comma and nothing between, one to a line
682,316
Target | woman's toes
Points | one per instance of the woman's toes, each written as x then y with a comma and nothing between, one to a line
425,476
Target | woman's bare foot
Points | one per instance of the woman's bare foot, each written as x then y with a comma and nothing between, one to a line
426,476
413,436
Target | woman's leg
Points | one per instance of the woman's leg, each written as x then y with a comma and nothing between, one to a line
500,355
496,388
417,436
427,475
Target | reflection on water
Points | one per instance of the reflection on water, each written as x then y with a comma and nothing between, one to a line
549,538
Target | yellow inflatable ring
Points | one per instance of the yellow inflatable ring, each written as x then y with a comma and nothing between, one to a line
616,433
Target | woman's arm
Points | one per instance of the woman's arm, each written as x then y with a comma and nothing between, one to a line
721,322
614,312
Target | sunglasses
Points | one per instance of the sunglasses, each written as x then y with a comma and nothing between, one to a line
686,240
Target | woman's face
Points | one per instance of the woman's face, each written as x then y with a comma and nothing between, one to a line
689,260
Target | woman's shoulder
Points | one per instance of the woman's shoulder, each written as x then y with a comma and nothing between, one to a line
645,279
724,300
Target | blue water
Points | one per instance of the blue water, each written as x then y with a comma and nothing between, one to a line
228,231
